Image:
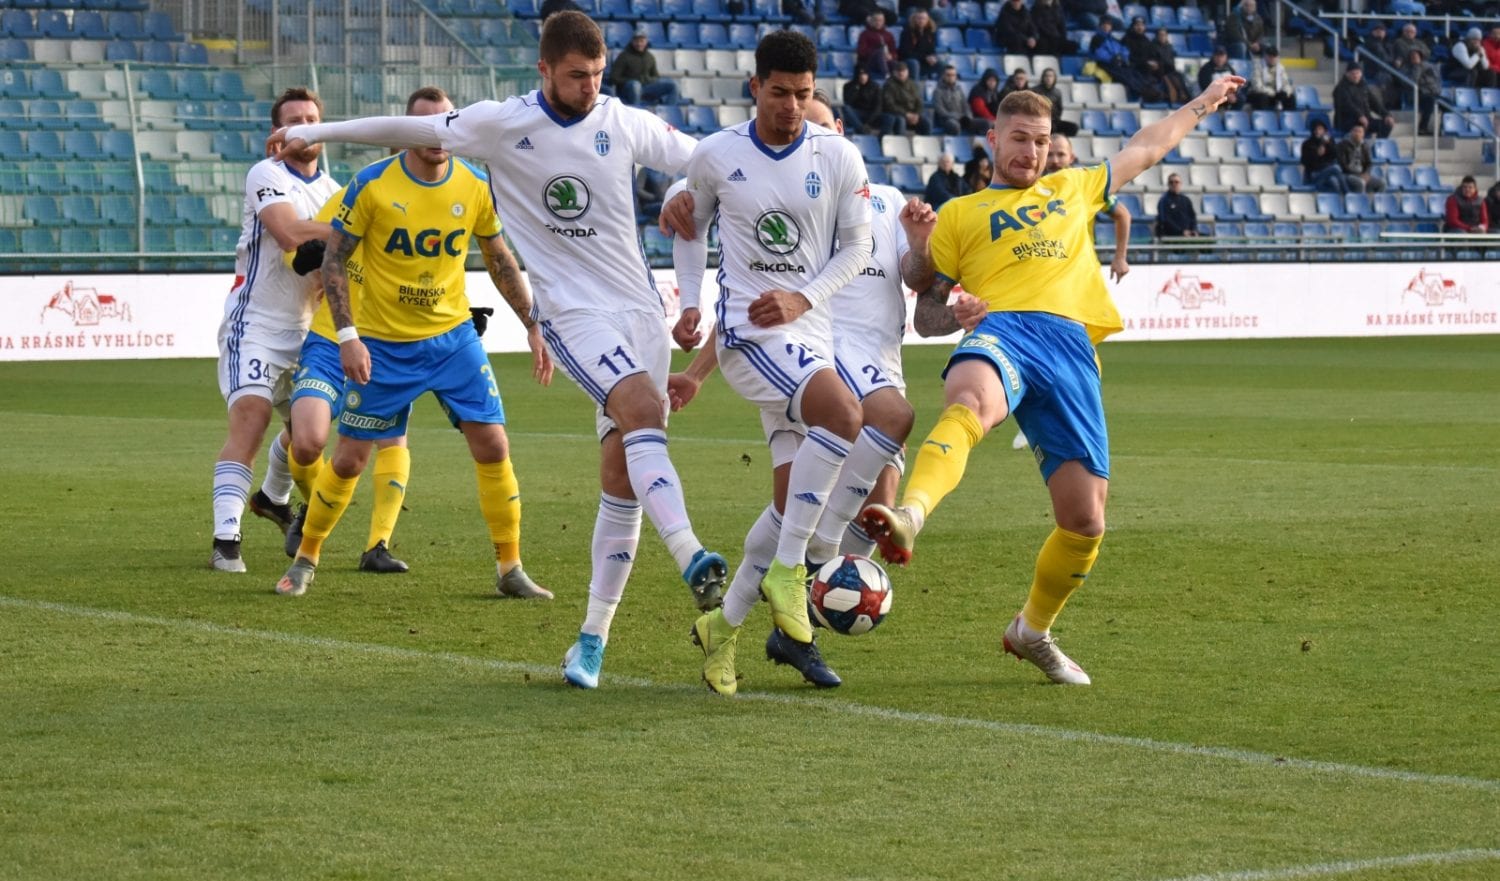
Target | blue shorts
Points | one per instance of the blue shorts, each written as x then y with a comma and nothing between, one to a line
1050,374
319,372
453,366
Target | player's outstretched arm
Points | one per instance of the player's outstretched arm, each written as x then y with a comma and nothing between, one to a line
506,275
377,131
353,355
683,387
1152,143
1121,216
289,230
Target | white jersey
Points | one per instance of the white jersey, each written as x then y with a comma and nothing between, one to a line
872,307
565,192
267,293
779,212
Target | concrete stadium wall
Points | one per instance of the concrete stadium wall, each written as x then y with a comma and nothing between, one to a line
177,316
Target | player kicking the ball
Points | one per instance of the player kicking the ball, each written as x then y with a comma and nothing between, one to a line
563,169
1034,307
416,212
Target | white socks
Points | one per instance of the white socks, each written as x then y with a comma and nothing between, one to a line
872,451
617,532
659,490
231,489
760,548
277,484
815,471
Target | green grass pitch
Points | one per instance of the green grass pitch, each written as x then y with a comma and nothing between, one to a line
1292,633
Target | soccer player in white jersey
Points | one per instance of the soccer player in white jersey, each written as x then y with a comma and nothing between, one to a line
561,164
784,193
265,318
869,321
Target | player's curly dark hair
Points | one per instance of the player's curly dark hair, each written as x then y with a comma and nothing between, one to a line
295,93
570,31
786,52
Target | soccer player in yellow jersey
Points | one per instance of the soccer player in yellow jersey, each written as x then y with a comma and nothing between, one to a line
1034,305
412,216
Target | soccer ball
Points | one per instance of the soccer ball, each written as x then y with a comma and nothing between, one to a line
850,594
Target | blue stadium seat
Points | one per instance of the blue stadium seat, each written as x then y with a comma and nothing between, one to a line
1286,233
712,35
1215,205
1268,122
1191,17
701,119
188,239
12,49
39,240
117,209
53,24
1249,149
47,114
89,25
10,240
161,85
949,39
1413,205
83,210
83,145
227,86
1397,177
1236,122
159,27
12,112
226,238
10,143
1332,204
1437,204
683,35
1163,17
1426,177
833,37
16,83
1096,122
907,178
1387,205
126,26
1212,125
159,178
768,11
979,39
646,10
869,148
1134,10
742,35
1356,206
192,210
156,52
195,85
116,144
671,114
1247,206
1386,150
1104,234
618,33
122,50
192,53
84,115
1466,98
1278,151
19,24
41,210
711,10
1308,98
1126,122
231,145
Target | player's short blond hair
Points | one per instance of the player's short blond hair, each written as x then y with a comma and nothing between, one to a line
1023,104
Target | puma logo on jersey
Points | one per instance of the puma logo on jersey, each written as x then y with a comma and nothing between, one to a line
737,177
524,144
398,206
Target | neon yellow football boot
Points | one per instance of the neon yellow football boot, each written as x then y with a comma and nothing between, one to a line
785,588
718,639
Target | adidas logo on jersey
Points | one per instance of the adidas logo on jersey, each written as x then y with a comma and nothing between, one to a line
524,144
737,177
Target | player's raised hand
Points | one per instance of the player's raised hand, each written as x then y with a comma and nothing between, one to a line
278,146
355,359
1219,91
541,359
917,219
681,389
777,307
1119,267
686,332
969,310
677,217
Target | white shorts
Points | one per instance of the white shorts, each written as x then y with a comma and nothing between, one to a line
598,349
257,361
769,366
866,367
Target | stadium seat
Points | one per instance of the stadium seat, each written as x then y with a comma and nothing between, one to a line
41,210
869,148
12,49
1397,177
227,86
115,144
701,119
82,210
1290,176
44,144
1191,17
1332,205
159,27
11,144
1236,122
126,26
1217,206
1386,150
154,52
1437,204
1249,149
53,25
1277,205
1425,177
18,24
1276,150
1126,122
1248,206
84,115
82,145
1268,122
711,10
39,240
89,25
1356,207
1308,98
16,83
192,53
122,50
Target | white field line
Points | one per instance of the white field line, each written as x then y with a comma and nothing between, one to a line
1344,867
832,705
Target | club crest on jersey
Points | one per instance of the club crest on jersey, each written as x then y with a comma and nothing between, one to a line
777,232
601,143
457,209
567,196
813,184
878,204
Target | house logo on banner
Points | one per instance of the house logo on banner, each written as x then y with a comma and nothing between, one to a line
1434,289
1187,305
1191,292
85,306
1439,300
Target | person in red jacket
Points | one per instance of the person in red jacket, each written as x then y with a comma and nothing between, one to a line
984,98
876,48
1466,211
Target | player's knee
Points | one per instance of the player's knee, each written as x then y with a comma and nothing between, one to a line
843,418
633,407
349,460
487,443
306,451
890,413
1087,522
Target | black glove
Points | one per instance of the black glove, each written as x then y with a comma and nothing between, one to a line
309,256
481,318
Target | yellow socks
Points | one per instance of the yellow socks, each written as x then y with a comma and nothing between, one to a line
1061,568
330,497
304,476
500,502
942,457
392,470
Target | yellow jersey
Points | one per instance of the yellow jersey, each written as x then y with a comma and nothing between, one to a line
414,236
322,321
1031,250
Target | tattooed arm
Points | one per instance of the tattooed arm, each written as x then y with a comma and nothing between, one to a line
353,355
1156,140
506,275
932,316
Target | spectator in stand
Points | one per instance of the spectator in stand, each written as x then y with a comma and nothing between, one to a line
1492,202
650,189
1147,62
1048,89
634,75
1270,86
1491,47
550,7
1137,40
1088,12
1320,166
1019,81
901,102
1111,56
1355,160
950,107
1014,30
1429,86
854,10
799,12
862,104
1216,67
1378,47
876,48
977,172
1172,79
944,184
1466,212
1051,29
1470,63
918,45
1243,30
1175,217
1357,102
1402,46
984,99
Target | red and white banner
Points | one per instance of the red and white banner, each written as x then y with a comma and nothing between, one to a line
177,316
